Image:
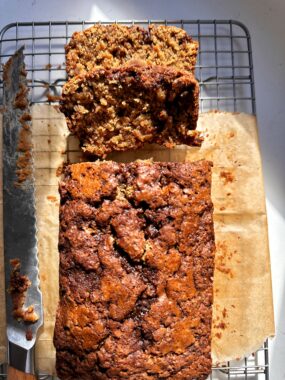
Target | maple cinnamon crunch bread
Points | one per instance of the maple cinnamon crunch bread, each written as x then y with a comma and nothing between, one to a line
122,108
113,45
136,249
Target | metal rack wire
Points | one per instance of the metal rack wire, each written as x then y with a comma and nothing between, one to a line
224,68
225,73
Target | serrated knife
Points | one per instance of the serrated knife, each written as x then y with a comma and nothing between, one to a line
19,219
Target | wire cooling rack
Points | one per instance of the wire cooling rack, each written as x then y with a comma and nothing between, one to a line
225,73
224,67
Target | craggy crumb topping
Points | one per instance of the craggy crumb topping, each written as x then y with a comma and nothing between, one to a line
113,45
136,271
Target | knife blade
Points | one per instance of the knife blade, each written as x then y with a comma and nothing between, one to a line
20,244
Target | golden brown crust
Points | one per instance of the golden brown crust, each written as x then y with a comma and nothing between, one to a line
122,108
136,264
113,45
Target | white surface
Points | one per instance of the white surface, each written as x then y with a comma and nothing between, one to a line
265,20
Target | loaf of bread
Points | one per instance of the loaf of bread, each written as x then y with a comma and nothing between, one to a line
113,45
122,108
136,249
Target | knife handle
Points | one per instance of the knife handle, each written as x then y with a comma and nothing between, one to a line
15,374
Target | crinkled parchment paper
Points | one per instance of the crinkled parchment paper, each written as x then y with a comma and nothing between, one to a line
243,313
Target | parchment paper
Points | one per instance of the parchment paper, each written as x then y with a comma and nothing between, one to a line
243,313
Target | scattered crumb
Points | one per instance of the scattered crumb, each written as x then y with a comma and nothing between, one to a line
222,208
221,325
222,257
227,176
53,98
218,335
60,169
231,134
224,270
19,285
228,194
29,334
233,306
25,117
25,143
58,67
24,170
21,101
224,312
58,172
48,66
49,141
24,158
52,198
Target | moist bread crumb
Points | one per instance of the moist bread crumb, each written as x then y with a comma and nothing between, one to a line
122,108
136,247
19,285
113,45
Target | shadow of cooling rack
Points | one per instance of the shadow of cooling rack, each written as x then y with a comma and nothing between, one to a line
225,73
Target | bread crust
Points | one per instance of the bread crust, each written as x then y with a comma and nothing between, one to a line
113,45
136,247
